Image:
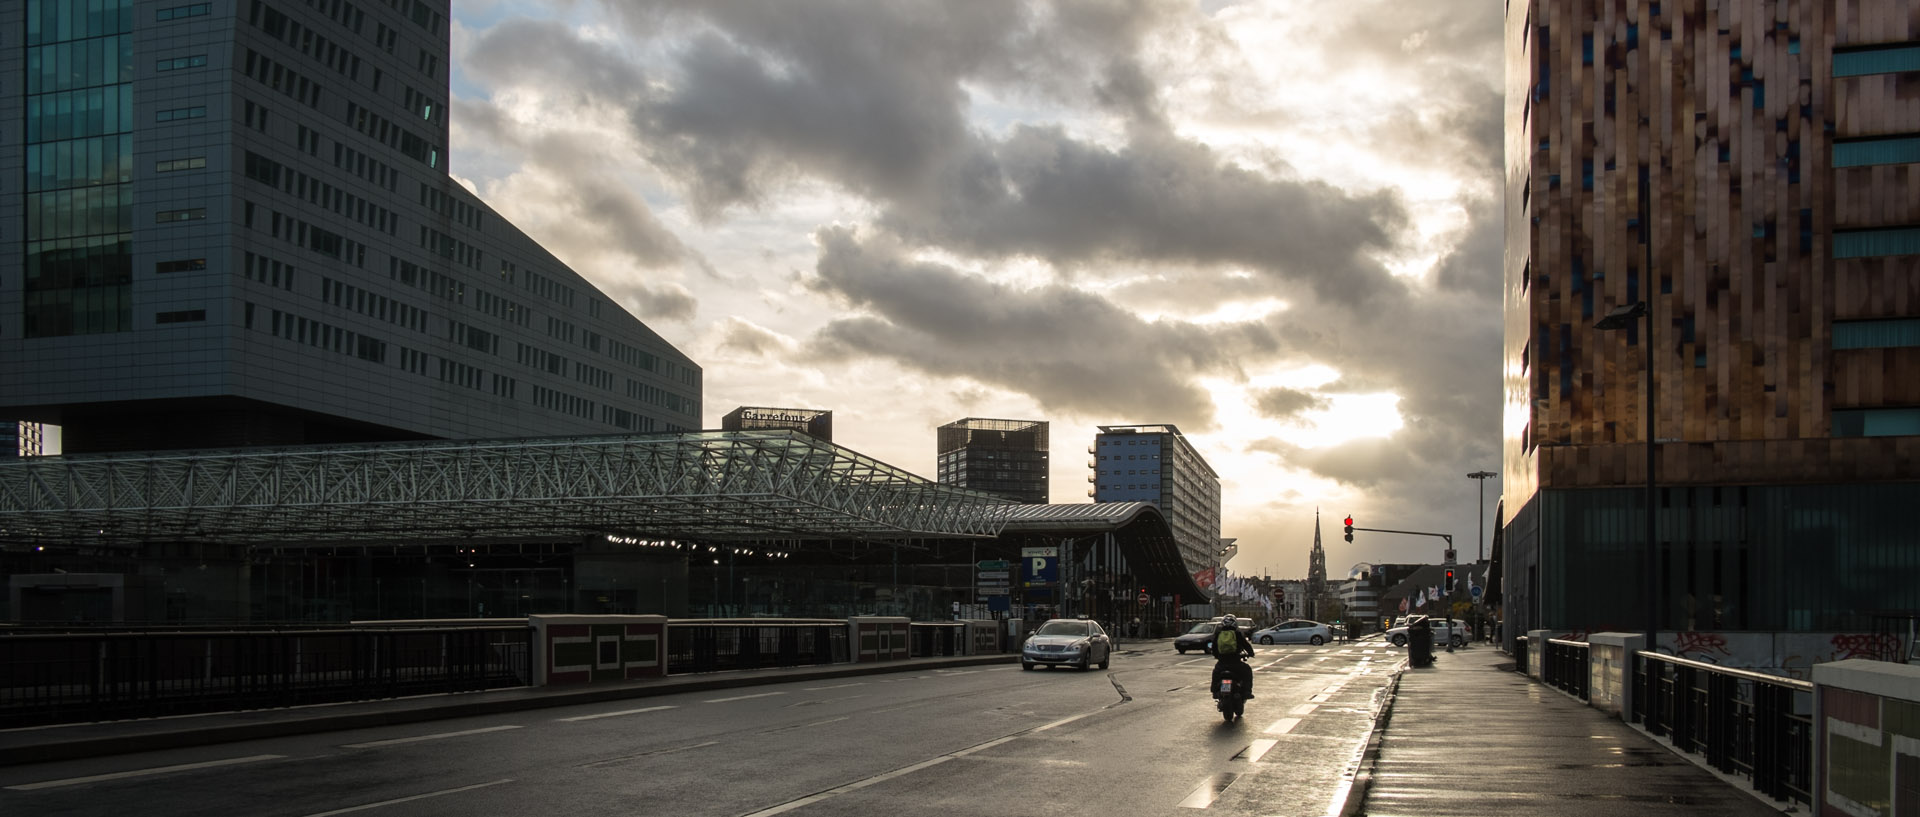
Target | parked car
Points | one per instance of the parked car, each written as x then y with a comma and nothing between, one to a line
1445,631
1067,641
1297,631
1196,639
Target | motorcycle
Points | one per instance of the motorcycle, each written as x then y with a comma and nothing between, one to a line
1230,699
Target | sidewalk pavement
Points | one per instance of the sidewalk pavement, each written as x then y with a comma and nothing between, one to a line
1469,736
69,741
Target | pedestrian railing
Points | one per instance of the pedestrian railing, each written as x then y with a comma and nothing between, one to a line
65,677
1566,666
1741,722
712,646
1521,652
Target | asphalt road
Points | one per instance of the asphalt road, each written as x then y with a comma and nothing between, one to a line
1140,738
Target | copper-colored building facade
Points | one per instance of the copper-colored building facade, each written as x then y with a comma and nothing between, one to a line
1770,147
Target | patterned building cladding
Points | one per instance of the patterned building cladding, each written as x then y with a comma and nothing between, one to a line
1771,147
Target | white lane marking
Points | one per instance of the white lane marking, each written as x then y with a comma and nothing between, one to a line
366,806
741,697
1303,709
1282,726
1255,750
1320,699
1001,669
951,673
1065,721
396,741
1210,790
613,714
75,781
835,686
854,786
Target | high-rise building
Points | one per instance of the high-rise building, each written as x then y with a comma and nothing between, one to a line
1155,463
234,225
1745,170
1006,457
21,439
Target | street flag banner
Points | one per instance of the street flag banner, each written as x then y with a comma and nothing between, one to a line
1403,604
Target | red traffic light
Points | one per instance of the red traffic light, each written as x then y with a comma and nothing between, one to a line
1349,521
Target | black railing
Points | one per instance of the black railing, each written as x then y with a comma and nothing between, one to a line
61,678
1566,666
712,646
1522,654
1741,722
936,638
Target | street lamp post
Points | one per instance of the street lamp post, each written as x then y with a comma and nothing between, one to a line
1480,554
1621,318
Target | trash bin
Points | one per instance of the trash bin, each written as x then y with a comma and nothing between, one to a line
1420,642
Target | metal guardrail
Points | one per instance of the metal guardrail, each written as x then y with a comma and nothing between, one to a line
1566,666
1741,722
66,677
713,646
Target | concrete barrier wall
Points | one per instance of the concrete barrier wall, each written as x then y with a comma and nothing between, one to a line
575,649
1866,738
1610,664
1537,653
982,637
877,638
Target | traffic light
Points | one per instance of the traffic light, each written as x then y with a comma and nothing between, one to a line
1349,528
1449,579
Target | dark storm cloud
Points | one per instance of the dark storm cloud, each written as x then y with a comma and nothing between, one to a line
1162,199
1288,404
1071,350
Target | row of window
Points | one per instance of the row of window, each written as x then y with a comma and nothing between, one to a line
269,271
366,167
449,247
266,71
53,22
391,134
288,30
309,236
273,174
448,206
371,304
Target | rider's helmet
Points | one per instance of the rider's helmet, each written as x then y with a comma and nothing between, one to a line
1229,621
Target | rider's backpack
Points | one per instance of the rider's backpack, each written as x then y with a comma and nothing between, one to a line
1224,643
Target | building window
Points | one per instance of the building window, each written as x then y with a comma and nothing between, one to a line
181,265
177,63
189,214
178,12
175,165
170,115
182,316
1876,334
1889,150
1887,59
1883,241
1891,422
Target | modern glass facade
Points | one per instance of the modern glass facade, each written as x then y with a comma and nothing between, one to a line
1783,558
79,168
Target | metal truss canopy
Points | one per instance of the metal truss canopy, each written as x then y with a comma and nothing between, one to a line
711,485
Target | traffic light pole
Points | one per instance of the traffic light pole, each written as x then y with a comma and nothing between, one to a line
1446,536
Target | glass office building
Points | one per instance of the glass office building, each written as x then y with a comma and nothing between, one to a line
236,227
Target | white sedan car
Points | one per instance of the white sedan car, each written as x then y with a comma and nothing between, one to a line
1445,632
1298,631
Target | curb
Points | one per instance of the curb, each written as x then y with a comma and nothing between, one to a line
1369,760
408,710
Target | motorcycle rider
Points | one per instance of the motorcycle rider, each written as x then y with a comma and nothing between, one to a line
1228,645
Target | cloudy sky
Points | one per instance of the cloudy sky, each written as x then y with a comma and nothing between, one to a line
1273,224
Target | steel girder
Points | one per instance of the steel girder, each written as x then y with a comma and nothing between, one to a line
704,485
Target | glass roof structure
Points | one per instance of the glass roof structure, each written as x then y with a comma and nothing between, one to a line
709,486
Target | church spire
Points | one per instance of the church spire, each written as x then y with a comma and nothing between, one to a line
1317,562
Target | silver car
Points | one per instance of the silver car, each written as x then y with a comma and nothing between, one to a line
1067,641
1298,631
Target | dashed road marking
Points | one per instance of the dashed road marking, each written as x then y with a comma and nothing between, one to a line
741,697
440,793
612,714
1255,750
835,686
1210,790
1282,726
181,767
417,738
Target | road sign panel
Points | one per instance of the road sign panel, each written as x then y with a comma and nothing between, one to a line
995,564
996,574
